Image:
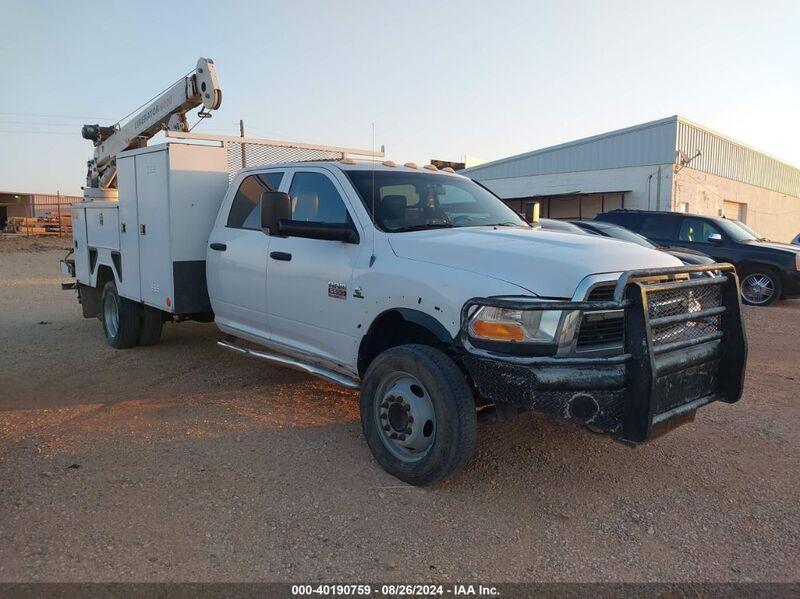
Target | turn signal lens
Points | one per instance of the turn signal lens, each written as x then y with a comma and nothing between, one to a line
797,261
498,331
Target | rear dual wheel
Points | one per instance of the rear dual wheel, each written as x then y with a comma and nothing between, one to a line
417,413
127,323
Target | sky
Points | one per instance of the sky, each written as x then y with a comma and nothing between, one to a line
437,79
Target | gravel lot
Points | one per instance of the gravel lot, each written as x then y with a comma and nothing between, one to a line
186,462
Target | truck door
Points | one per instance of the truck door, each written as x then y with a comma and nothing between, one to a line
698,234
309,293
236,267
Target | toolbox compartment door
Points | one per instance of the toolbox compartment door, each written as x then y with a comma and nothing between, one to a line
82,273
152,193
130,284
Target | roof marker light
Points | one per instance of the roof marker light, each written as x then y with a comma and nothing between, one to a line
411,165
391,163
431,167
448,169
347,161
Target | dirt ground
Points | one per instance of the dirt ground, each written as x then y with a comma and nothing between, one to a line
186,462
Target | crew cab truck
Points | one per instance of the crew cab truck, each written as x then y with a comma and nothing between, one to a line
415,285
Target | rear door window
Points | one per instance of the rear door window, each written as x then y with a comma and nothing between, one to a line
658,227
245,213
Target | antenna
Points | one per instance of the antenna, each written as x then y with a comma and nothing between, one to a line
374,219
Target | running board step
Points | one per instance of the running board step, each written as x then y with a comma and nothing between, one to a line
324,373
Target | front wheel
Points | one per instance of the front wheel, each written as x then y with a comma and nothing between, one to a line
120,318
760,286
417,413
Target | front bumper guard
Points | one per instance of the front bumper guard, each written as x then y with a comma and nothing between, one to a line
684,347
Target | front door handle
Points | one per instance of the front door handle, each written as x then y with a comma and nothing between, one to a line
220,247
285,256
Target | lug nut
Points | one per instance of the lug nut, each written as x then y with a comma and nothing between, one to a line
393,436
408,430
383,416
401,437
386,427
385,404
410,419
407,407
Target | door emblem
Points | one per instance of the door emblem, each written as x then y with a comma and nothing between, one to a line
337,290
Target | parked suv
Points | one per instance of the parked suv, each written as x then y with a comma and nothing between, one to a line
768,270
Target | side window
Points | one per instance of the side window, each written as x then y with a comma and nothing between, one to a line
315,199
244,212
695,230
658,227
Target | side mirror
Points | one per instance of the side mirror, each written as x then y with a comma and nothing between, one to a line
314,230
275,205
715,238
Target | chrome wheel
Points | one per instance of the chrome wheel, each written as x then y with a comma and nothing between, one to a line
758,289
111,315
405,417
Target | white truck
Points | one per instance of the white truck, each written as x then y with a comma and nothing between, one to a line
415,285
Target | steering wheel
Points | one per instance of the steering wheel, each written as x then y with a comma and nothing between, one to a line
461,218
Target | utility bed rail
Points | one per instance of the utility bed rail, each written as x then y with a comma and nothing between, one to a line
684,347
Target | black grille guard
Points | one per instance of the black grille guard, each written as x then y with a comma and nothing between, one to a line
684,341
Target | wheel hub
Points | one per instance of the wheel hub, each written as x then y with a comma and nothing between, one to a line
406,417
111,314
757,288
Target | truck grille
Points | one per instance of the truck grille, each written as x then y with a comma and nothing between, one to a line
672,303
601,328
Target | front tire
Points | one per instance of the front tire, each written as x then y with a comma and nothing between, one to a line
120,318
417,414
760,286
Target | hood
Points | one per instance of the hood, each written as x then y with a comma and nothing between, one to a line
774,245
689,257
547,263
677,249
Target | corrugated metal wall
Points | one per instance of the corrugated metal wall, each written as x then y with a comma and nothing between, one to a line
650,143
726,158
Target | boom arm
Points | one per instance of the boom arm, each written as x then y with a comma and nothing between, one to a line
168,111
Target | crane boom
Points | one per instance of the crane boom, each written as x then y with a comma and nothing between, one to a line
167,111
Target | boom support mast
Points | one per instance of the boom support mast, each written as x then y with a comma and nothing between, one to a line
167,111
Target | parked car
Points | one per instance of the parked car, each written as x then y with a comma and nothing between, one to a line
685,255
767,270
551,224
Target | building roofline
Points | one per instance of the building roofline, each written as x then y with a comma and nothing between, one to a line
640,127
577,142
741,144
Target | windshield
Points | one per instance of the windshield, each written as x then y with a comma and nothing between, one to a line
412,201
748,229
626,235
737,232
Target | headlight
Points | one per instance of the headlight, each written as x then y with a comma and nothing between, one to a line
515,326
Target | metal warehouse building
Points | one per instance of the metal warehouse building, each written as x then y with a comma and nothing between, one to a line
669,164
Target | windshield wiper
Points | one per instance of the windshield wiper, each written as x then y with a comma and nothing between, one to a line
422,227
